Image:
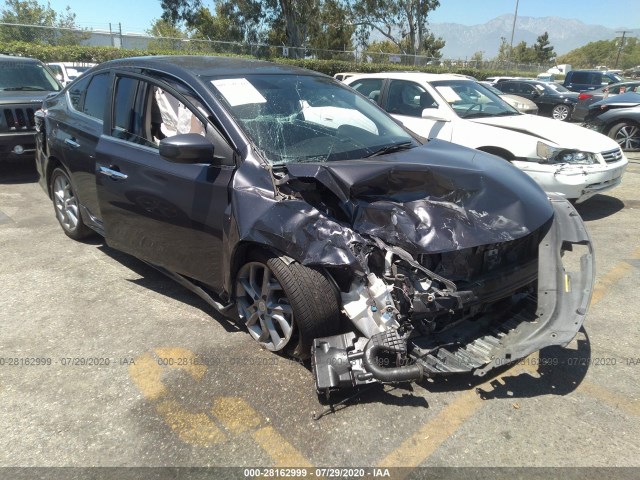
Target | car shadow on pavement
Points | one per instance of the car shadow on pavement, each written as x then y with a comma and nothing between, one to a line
599,207
158,282
556,371
12,173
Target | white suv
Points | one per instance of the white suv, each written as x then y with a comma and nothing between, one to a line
565,159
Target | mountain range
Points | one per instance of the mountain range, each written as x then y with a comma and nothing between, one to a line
565,34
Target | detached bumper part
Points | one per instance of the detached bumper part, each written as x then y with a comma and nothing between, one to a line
563,296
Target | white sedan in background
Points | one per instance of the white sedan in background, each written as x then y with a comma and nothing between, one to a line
565,159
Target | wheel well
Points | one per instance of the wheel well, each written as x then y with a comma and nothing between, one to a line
498,152
52,164
621,120
239,257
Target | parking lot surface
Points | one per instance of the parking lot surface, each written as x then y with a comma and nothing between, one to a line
97,368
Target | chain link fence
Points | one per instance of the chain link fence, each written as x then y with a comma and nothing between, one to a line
115,38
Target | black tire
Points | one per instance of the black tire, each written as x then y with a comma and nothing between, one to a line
561,112
627,135
67,206
312,297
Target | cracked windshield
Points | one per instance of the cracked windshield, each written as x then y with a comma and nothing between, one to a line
297,118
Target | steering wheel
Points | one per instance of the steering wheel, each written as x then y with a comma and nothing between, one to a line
472,107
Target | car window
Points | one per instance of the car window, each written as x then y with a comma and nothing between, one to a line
581,77
306,118
408,98
470,99
26,76
76,93
527,89
369,87
509,87
96,96
124,108
145,113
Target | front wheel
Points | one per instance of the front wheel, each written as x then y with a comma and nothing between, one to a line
67,206
561,112
627,134
285,306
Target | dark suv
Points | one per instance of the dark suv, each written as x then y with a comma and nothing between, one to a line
581,80
24,83
297,206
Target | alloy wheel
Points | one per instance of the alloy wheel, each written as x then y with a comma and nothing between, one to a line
66,203
561,112
263,306
628,137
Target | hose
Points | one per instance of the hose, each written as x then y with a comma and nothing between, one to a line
406,373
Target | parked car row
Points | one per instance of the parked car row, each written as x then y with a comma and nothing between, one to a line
331,219
563,158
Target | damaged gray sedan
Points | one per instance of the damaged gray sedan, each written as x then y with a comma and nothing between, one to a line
298,206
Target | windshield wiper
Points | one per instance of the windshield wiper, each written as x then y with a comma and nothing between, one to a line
24,89
394,147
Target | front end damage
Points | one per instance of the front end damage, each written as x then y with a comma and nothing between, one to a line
446,260
469,310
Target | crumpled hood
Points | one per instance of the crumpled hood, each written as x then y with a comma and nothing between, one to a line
435,198
553,132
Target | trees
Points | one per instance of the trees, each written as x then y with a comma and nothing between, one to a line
539,52
604,52
402,22
543,49
63,29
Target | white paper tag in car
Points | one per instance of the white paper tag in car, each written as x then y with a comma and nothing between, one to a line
238,91
449,94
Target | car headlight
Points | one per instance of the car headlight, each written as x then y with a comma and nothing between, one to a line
564,155
519,105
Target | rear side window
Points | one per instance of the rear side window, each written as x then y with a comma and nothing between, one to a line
581,77
124,113
96,96
369,87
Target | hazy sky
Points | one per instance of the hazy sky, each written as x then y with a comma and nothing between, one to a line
137,15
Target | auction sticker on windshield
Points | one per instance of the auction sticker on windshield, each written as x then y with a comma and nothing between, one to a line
238,91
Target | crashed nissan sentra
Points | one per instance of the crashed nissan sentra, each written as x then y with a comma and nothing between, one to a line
299,207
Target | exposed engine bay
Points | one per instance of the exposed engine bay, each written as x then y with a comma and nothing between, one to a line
463,311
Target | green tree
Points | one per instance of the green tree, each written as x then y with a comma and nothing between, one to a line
62,26
402,22
543,49
333,30
167,36
604,52
290,20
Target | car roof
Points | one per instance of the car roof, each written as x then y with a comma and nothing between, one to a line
207,65
16,58
415,76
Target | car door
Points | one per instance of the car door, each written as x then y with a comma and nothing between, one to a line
168,214
543,100
417,108
81,124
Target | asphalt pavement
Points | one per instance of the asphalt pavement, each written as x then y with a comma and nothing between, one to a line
97,368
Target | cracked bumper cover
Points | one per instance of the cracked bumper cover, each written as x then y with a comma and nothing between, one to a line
563,296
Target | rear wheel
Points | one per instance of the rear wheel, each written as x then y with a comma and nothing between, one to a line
627,134
286,305
67,206
561,112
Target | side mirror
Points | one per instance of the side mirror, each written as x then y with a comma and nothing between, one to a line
186,148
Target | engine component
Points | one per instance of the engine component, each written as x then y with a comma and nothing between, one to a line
370,307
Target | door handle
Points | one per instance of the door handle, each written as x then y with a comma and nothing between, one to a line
71,142
113,174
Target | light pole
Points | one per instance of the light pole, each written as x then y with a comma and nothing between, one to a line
513,29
